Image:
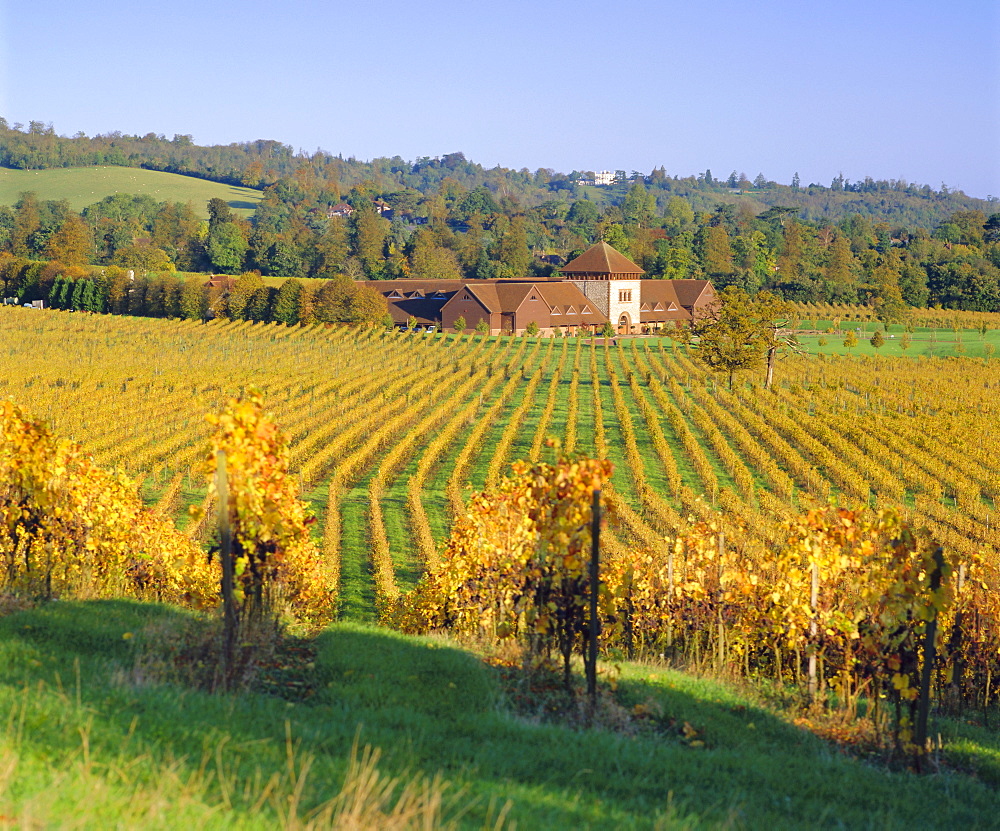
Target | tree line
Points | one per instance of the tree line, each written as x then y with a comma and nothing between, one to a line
115,290
264,163
450,218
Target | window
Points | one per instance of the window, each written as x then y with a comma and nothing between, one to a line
625,295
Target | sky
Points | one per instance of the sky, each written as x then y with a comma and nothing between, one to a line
881,88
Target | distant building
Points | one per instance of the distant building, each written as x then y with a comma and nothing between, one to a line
340,209
605,177
224,282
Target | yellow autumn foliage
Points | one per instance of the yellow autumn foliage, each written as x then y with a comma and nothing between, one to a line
71,529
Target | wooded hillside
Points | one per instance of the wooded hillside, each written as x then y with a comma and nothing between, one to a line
888,243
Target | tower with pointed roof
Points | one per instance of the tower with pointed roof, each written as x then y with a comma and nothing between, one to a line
611,281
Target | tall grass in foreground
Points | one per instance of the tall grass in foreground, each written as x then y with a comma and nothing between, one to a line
141,791
70,758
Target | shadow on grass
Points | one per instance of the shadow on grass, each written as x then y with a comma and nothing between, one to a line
432,707
97,630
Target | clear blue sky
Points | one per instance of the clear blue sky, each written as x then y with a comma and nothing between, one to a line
880,88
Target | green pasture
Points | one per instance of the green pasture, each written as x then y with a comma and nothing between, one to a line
91,736
83,186
929,342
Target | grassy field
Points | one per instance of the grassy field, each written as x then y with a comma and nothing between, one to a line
83,186
934,342
91,737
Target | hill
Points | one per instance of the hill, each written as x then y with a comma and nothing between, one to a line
83,186
867,242
265,162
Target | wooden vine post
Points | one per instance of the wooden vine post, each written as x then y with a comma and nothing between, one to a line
226,557
594,628
930,633
719,596
813,628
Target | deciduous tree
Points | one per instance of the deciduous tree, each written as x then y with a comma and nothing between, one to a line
740,332
241,294
512,250
194,299
286,302
227,247
72,243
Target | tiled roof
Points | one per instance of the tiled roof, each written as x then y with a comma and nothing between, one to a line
659,302
689,292
571,301
601,259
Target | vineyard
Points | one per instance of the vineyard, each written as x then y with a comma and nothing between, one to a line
389,431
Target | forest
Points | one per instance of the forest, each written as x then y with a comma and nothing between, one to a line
889,244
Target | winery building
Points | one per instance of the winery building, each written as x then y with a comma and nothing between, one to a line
599,286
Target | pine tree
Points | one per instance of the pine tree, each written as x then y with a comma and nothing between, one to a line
87,301
57,287
77,299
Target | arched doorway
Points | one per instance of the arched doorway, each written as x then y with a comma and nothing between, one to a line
624,324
